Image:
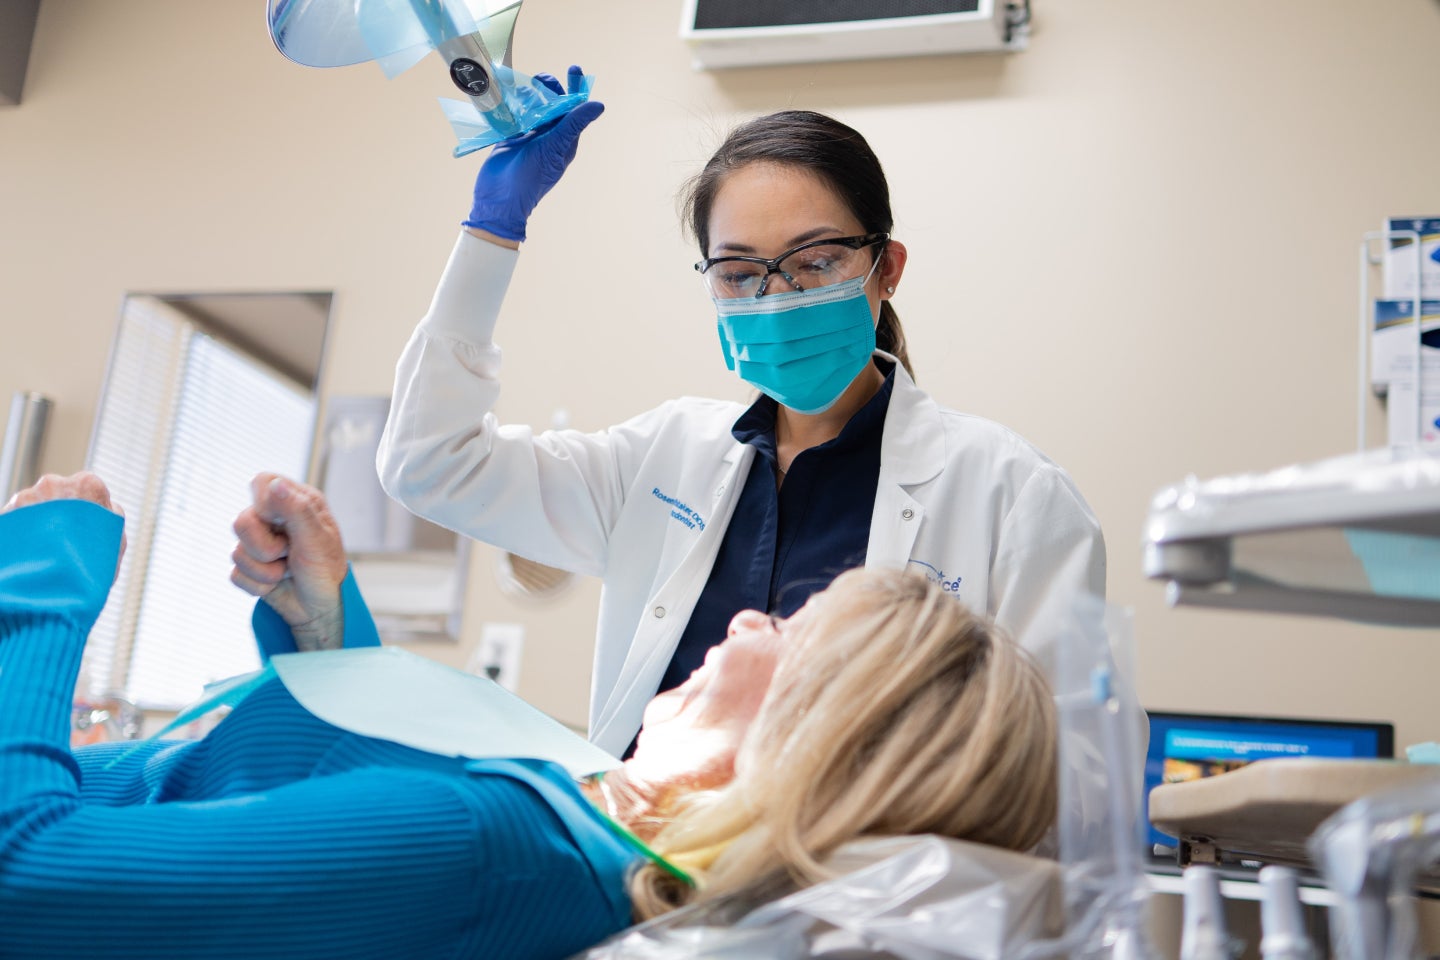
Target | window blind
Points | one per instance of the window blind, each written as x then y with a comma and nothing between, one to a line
224,417
127,451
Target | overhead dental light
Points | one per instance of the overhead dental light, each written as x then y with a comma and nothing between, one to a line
472,37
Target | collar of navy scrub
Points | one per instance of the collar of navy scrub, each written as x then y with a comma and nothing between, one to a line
756,425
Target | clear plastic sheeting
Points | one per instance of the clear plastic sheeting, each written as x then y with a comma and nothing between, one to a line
339,33
1355,536
474,40
913,898
1100,829
932,898
530,103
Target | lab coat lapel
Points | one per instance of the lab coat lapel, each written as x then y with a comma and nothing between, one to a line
912,451
657,636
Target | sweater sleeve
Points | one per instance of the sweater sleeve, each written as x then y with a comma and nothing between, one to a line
56,568
368,862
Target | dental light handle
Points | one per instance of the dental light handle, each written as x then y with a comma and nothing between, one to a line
471,67
472,70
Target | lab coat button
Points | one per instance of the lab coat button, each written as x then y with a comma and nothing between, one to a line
659,613
908,514
720,492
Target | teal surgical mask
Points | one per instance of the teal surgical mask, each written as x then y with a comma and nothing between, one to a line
801,348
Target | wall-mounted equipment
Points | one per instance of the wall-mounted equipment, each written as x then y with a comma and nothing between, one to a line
413,572
24,435
1400,328
17,30
747,33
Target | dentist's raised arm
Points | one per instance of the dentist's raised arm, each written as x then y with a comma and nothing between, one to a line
444,455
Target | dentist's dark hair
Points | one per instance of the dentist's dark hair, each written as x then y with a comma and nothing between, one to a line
824,147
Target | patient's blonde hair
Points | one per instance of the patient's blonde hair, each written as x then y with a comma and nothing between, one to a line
896,712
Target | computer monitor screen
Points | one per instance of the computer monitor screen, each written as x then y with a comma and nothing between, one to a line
1189,746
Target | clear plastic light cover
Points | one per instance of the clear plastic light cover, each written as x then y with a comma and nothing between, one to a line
397,34
338,33
529,103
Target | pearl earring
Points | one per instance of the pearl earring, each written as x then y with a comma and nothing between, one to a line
889,289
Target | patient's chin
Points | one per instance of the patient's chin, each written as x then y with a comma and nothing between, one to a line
683,758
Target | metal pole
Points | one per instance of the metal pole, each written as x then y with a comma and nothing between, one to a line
24,435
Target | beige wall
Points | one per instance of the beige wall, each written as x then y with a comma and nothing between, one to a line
1133,243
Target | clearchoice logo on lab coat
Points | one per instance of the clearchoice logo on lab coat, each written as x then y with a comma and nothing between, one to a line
936,575
679,511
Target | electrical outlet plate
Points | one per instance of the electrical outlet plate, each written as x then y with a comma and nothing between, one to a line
498,654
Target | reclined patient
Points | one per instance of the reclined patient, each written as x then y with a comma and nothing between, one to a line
881,708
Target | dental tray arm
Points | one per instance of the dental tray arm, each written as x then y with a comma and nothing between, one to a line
1356,537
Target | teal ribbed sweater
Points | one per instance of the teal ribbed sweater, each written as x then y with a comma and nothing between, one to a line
277,835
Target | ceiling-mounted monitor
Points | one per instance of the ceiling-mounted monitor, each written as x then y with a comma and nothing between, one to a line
746,33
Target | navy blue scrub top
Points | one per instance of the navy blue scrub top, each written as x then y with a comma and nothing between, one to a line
784,544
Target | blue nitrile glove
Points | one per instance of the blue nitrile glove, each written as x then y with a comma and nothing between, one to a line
521,170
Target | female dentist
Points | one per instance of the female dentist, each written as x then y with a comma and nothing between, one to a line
700,508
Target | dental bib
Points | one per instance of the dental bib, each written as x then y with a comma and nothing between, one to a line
395,695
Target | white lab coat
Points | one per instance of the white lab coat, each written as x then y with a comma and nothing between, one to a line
645,504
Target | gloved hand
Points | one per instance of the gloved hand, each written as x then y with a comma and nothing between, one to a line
521,170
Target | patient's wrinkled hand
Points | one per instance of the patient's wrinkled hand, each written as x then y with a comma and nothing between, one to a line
78,486
290,555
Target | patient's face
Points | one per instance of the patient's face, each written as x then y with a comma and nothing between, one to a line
730,685
698,726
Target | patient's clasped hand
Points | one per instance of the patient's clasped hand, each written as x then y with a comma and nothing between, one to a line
280,834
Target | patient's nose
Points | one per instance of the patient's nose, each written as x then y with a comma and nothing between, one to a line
748,620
